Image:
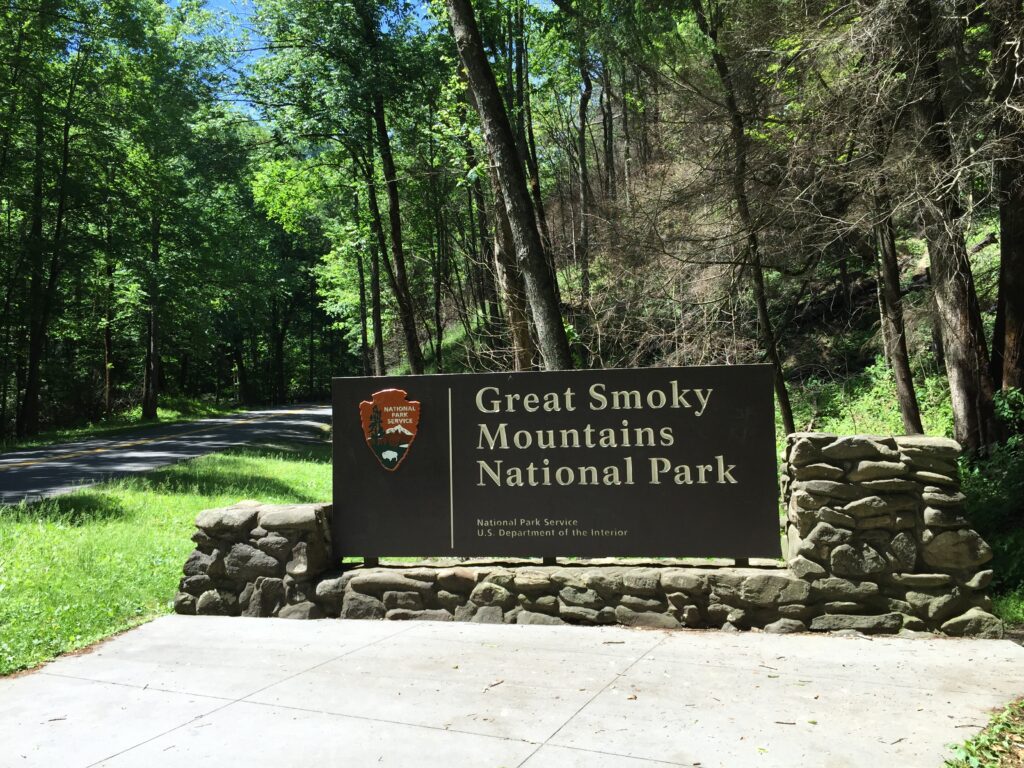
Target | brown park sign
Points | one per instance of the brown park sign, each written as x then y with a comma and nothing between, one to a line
665,462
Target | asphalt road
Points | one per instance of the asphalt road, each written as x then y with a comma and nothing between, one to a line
51,470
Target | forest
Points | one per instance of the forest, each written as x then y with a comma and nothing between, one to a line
239,202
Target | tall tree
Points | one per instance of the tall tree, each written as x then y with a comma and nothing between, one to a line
553,342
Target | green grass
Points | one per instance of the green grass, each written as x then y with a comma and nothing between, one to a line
866,403
172,411
80,567
1000,745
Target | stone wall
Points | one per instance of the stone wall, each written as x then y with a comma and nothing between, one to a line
888,512
254,559
874,529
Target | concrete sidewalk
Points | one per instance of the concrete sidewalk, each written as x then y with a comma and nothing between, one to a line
199,691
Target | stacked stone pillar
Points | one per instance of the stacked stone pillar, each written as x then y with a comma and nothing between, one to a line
887,512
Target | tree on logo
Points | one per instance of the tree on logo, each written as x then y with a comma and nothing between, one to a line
376,428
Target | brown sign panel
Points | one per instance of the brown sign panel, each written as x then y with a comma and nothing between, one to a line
666,462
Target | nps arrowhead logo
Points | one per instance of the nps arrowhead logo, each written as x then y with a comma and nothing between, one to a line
390,422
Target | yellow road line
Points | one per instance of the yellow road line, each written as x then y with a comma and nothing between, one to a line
133,443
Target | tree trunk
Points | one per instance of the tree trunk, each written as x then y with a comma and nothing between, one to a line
583,245
1008,342
377,248
364,341
737,134
151,371
608,129
554,344
963,339
891,305
406,308
28,414
510,285
533,171
244,392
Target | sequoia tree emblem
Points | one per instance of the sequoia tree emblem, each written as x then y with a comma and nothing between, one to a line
390,422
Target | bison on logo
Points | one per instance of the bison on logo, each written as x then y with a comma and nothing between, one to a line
389,422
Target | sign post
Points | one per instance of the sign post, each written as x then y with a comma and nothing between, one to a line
662,462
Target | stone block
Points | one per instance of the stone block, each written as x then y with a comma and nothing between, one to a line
801,499
530,617
867,624
234,521
303,610
876,470
688,615
290,517
489,614
358,605
835,517
489,594
465,612
607,583
872,506
818,471
405,614
378,582
196,585
584,598
771,589
639,604
936,478
275,545
891,485
921,580
861,447
804,452
785,626
217,602
407,601
245,563
185,604
939,497
541,604
831,489
267,598
197,564
644,583
974,623
857,559
461,580
577,615
903,550
832,588
532,582
944,518
957,549
630,618
940,447
822,539
450,600
502,577
805,569
980,580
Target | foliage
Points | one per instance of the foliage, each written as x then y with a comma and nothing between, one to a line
77,568
1000,745
994,486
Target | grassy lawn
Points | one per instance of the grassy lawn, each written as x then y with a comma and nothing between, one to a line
1000,745
80,567
172,411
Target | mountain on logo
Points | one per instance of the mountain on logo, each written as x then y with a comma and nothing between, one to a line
389,422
